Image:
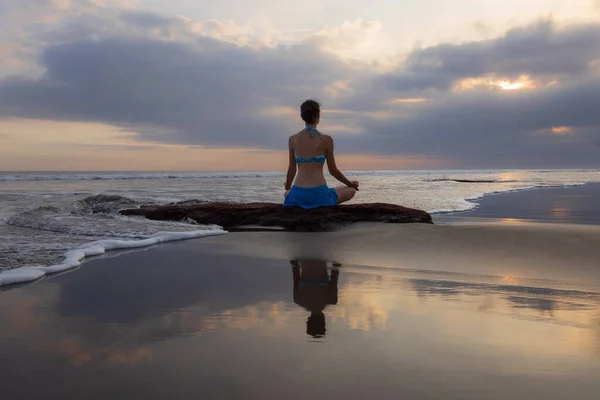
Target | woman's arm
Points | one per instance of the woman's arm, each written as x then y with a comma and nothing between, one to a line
291,173
333,169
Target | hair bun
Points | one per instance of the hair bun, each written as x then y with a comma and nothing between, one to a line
310,111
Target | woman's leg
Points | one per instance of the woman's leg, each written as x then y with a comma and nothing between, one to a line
345,193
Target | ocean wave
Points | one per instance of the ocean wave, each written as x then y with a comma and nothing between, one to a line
95,216
75,257
104,203
45,232
101,176
164,176
88,176
31,177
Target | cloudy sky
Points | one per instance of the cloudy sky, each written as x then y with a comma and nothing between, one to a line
207,85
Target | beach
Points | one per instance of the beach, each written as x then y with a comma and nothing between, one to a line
573,204
45,214
474,309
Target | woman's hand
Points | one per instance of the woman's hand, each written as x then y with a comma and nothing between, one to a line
354,185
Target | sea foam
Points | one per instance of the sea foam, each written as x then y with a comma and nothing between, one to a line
75,257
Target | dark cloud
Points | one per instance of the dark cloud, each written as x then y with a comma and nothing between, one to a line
177,86
492,128
207,92
537,50
498,129
145,19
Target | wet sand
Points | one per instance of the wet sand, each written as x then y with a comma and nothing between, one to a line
479,311
573,204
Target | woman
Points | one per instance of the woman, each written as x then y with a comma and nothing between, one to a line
309,150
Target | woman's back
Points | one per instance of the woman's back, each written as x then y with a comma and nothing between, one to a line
310,152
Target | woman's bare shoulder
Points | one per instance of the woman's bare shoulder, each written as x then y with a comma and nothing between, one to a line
327,137
293,138
295,135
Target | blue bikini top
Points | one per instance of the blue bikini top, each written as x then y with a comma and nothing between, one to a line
320,159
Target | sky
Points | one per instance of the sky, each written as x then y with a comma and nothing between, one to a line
199,85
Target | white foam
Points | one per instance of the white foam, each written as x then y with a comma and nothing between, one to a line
74,258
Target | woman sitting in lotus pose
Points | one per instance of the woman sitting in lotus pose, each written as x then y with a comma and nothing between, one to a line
309,150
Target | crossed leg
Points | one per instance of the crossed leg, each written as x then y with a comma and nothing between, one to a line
345,193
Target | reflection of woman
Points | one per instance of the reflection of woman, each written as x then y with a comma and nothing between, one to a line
314,289
309,149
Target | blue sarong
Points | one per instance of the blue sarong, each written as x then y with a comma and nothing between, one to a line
320,196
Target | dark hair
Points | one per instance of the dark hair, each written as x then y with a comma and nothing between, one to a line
310,111
315,325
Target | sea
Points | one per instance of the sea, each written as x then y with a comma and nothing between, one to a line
50,221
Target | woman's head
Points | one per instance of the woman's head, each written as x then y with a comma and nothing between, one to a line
310,112
316,325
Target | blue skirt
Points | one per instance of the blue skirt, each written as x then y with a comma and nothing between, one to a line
320,196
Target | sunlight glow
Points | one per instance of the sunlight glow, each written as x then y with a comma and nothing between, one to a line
595,65
560,212
558,130
506,85
562,130
410,100
523,82
495,82
278,111
338,88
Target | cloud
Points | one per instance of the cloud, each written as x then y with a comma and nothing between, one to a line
499,129
216,83
359,40
206,91
540,50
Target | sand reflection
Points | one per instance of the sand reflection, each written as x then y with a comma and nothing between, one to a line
561,210
325,298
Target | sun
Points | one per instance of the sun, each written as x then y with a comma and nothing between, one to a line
492,81
506,85
521,83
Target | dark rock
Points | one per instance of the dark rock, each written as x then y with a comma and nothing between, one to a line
290,218
472,181
464,180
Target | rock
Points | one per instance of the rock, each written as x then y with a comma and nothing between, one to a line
473,181
230,216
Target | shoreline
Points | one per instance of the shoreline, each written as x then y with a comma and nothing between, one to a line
511,246
571,204
481,215
475,201
74,258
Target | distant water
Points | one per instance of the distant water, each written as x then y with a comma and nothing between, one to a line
45,214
